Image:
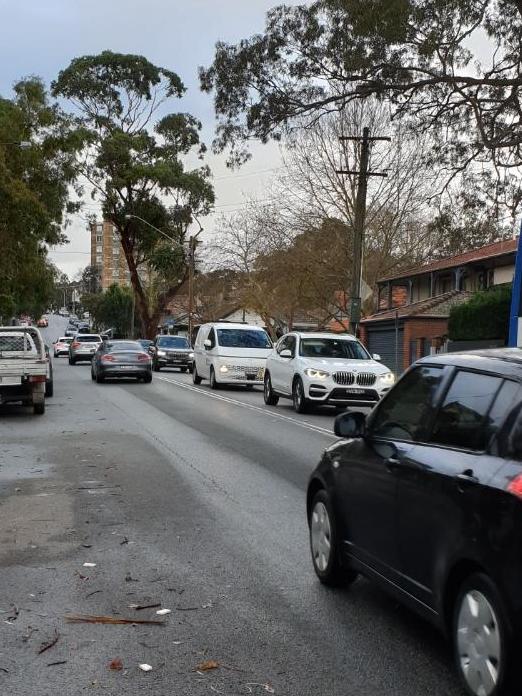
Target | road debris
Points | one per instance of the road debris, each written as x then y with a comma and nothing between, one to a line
125,541
14,613
47,646
92,593
54,664
187,608
145,668
129,578
4,669
116,665
266,687
89,565
162,612
139,607
207,665
92,618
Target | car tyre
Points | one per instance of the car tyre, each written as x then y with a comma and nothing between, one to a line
324,543
298,396
49,389
99,378
214,384
147,379
270,397
182,369
196,379
39,408
72,361
93,376
482,638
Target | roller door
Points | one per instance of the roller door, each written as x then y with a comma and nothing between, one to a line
382,341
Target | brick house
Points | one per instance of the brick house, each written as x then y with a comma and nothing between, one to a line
413,306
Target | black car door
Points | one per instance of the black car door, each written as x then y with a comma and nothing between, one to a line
367,481
441,497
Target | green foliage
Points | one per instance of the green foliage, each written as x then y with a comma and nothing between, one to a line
111,309
484,317
34,195
136,164
415,54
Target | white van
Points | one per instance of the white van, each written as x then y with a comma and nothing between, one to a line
227,353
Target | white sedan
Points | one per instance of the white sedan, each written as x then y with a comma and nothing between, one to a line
324,368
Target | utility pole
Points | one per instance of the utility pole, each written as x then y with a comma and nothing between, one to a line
359,219
192,250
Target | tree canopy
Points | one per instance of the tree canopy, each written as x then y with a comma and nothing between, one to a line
419,55
34,194
133,161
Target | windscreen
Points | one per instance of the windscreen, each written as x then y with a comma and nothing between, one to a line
173,342
88,339
243,338
332,348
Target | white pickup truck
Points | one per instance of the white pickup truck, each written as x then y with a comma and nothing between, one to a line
23,367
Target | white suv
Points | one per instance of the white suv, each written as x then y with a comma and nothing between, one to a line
227,353
324,368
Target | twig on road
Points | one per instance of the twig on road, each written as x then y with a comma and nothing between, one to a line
91,618
47,646
60,662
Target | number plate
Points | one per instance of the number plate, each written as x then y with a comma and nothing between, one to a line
10,380
355,391
126,367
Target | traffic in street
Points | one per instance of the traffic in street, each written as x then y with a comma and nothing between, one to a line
176,497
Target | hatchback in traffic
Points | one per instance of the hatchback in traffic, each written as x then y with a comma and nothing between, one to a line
83,347
61,346
116,359
424,496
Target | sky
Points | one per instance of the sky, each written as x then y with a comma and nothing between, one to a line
41,37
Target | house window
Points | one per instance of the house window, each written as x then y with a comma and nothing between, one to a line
99,249
413,352
99,260
99,239
426,346
115,272
445,284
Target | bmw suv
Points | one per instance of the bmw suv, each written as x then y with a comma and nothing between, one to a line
324,368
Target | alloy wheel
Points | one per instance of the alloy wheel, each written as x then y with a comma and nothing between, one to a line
478,643
321,536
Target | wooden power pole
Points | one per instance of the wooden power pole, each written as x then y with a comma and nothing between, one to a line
359,220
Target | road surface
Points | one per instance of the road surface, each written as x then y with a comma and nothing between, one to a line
194,501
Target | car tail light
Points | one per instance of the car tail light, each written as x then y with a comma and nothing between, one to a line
75,344
108,358
37,378
515,486
143,357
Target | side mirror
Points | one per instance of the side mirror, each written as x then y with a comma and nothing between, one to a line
377,357
350,425
207,343
286,353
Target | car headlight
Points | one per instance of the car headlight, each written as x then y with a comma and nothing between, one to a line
223,369
191,355
388,378
316,374
161,353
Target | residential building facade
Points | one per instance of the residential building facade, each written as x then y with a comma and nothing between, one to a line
107,255
413,306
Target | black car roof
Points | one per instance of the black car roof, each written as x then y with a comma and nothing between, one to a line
502,361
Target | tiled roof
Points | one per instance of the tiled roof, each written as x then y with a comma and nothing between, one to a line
433,307
506,246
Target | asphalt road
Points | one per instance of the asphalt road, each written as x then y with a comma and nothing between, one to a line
193,500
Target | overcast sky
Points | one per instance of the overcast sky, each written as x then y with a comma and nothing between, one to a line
40,37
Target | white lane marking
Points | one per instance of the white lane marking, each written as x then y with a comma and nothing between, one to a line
236,402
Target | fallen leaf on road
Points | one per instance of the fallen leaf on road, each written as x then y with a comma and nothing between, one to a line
162,612
116,664
207,665
91,618
129,578
47,646
89,565
3,669
145,668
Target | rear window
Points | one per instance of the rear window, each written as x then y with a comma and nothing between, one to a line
65,339
88,339
124,345
243,338
173,342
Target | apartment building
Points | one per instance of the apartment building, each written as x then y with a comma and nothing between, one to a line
107,255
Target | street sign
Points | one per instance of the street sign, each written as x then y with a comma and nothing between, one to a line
355,310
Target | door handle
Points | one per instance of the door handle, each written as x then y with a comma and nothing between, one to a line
393,463
465,477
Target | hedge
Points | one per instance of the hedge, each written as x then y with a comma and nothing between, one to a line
484,317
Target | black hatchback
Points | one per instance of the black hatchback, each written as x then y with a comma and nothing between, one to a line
424,496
